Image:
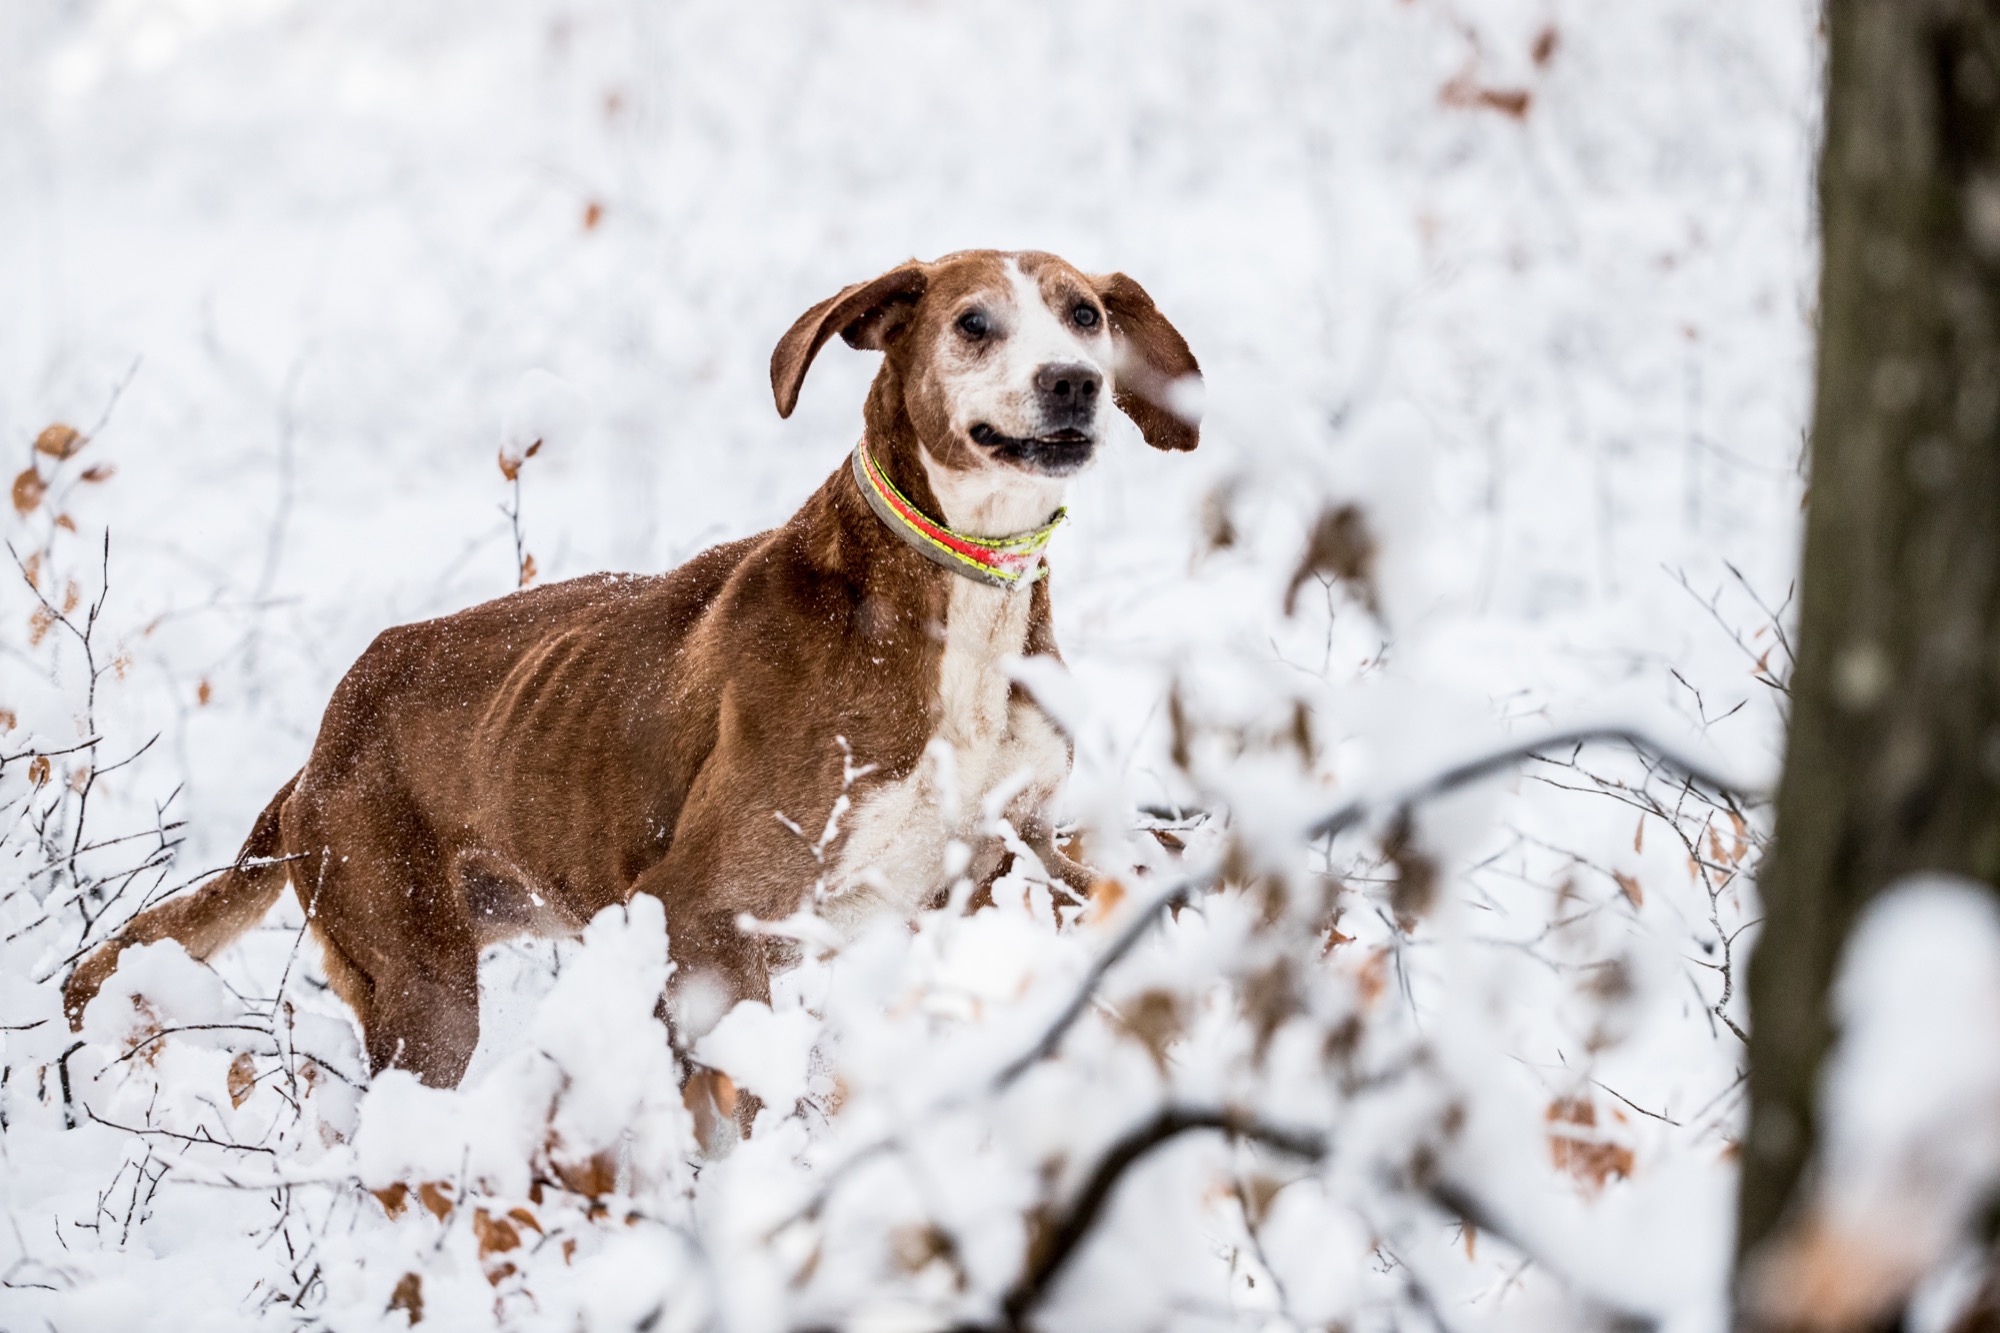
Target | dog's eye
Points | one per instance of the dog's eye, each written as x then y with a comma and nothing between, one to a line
1085,316
973,324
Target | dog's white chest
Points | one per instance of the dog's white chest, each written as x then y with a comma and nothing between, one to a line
986,745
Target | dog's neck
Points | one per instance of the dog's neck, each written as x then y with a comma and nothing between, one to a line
991,501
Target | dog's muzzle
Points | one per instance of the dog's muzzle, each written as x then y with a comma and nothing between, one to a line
1056,454
1066,395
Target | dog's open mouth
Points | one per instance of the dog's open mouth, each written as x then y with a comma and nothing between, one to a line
1056,453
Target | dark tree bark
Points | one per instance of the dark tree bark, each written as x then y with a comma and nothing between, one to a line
1893,761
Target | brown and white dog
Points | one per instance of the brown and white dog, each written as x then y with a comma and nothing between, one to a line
518,766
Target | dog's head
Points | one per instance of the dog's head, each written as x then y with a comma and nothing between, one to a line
1003,362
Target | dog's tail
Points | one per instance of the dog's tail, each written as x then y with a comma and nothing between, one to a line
203,921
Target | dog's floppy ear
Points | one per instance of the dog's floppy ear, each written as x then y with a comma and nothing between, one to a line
1157,383
866,314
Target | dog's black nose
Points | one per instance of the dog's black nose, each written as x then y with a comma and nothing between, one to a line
1068,392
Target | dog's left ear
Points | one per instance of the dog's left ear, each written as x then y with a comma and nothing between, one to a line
1157,383
866,314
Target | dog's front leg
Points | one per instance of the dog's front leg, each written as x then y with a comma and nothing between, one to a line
723,865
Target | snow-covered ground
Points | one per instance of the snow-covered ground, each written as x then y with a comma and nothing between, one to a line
1529,283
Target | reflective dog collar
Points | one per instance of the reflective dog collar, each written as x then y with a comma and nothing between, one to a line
1004,562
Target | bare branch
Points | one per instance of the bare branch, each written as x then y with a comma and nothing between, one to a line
1053,1254
1339,821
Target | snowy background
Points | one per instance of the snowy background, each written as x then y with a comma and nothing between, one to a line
1527,281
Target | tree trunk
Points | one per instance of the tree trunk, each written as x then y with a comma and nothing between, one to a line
1893,761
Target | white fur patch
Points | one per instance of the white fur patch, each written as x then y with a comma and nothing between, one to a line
894,856
998,389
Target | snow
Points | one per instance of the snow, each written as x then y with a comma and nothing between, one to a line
300,272
1916,1076
766,1052
1909,1101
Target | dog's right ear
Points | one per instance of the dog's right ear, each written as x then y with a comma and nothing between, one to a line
867,314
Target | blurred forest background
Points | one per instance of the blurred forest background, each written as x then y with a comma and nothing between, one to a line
1526,282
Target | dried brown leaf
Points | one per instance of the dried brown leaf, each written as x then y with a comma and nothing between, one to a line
409,1297
1589,1161
394,1199
1218,523
433,1195
203,693
593,213
1416,874
1572,1111
1629,886
1340,547
510,466
1467,92
242,1078
1105,895
915,1248
1180,728
1256,1192
1371,979
1301,735
96,473
60,441
38,770
1157,1019
29,488
1270,997
597,1175
146,1031
528,570
1577,1147
496,1235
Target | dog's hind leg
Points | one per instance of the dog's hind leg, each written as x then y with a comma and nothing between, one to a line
399,945
418,1007
348,981
426,1019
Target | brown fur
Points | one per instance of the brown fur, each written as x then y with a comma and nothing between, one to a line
618,734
